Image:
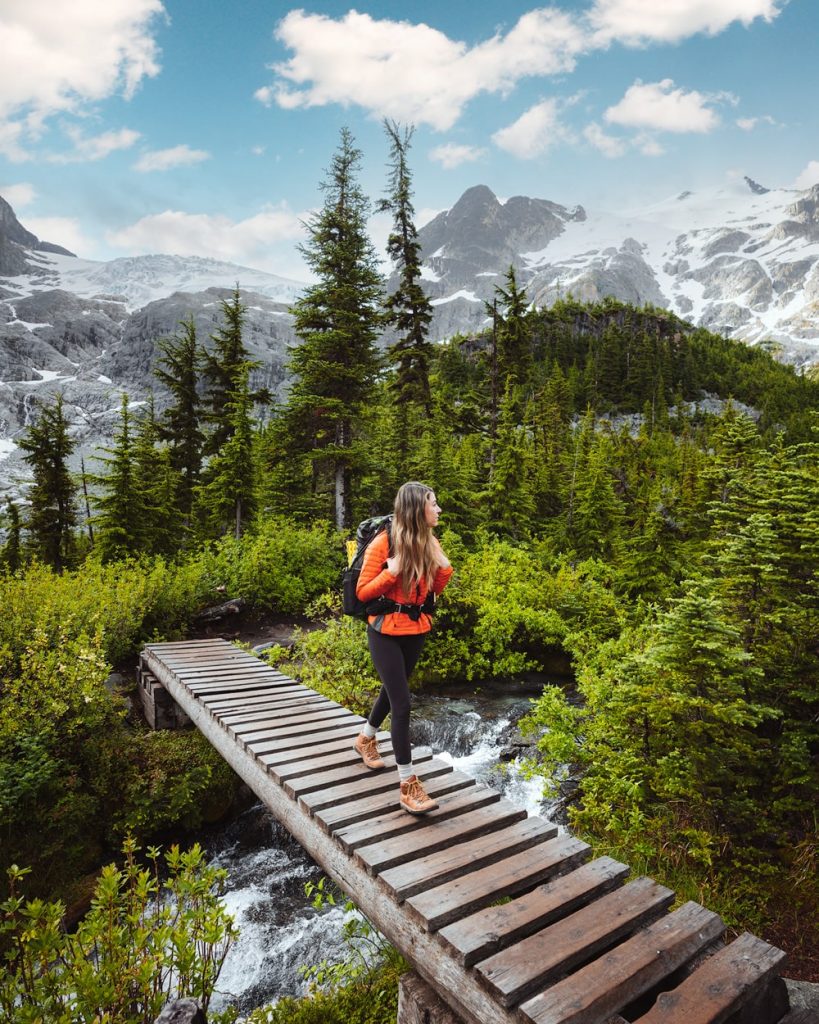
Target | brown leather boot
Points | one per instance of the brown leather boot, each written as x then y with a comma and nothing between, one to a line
367,746
414,797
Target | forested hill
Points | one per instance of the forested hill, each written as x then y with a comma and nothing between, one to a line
618,358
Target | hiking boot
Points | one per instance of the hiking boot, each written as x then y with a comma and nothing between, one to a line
367,746
414,797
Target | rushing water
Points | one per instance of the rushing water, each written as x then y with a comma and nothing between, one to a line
267,869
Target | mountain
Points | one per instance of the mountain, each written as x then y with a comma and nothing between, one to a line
741,260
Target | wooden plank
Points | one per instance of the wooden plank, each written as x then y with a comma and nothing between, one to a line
720,985
259,726
274,737
361,808
517,972
426,872
612,981
220,679
275,696
173,645
337,758
377,782
394,823
350,774
438,834
339,742
475,937
462,896
291,743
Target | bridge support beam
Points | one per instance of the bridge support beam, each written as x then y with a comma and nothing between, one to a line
418,1003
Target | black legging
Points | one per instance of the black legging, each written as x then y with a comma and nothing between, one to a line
394,658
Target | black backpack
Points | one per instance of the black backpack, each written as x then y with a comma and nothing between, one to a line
367,531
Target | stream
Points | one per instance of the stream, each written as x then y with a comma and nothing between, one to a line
267,870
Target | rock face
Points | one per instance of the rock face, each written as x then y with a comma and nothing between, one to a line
740,260
16,243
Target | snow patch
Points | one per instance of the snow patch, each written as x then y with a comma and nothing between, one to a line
462,294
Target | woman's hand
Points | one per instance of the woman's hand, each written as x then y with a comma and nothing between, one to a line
394,566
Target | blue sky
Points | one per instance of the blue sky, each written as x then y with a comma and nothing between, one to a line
204,127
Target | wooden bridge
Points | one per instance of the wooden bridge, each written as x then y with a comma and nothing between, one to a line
507,921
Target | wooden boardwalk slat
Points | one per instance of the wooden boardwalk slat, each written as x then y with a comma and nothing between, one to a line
615,979
270,724
275,736
720,985
516,973
386,825
348,775
271,698
291,743
438,834
360,809
463,896
327,746
375,783
426,872
480,934
338,758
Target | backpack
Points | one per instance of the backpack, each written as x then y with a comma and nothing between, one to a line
367,531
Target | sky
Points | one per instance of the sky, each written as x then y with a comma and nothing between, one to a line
205,127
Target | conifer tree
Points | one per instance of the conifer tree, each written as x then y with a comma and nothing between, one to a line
408,309
11,556
225,498
510,498
178,369
120,519
514,339
158,482
337,320
52,513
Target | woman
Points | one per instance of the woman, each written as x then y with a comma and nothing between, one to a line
404,567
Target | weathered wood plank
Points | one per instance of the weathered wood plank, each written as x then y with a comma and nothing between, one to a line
720,985
329,759
438,834
273,719
383,826
290,743
274,737
519,971
349,775
220,676
480,934
612,981
426,872
179,645
377,782
361,808
462,896
327,746
273,698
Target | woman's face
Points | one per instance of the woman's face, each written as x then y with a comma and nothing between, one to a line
431,509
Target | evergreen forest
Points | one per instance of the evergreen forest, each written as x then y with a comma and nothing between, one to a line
624,495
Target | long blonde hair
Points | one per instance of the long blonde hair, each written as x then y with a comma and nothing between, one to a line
412,535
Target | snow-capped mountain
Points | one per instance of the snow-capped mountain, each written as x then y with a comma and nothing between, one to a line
741,260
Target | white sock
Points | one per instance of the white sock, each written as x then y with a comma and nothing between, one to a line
369,730
405,772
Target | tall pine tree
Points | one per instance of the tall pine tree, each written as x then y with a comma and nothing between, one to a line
337,319
52,513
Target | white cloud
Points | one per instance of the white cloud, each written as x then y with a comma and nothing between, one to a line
18,195
659,106
609,145
59,56
11,135
64,231
96,147
165,159
412,72
533,132
247,242
809,176
453,155
638,22
648,146
747,124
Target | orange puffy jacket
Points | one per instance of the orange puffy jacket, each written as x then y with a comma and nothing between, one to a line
377,581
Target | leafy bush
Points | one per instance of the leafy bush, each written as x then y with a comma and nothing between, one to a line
143,942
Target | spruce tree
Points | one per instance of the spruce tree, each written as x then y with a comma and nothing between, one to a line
158,481
52,513
337,320
120,518
408,309
11,556
178,369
